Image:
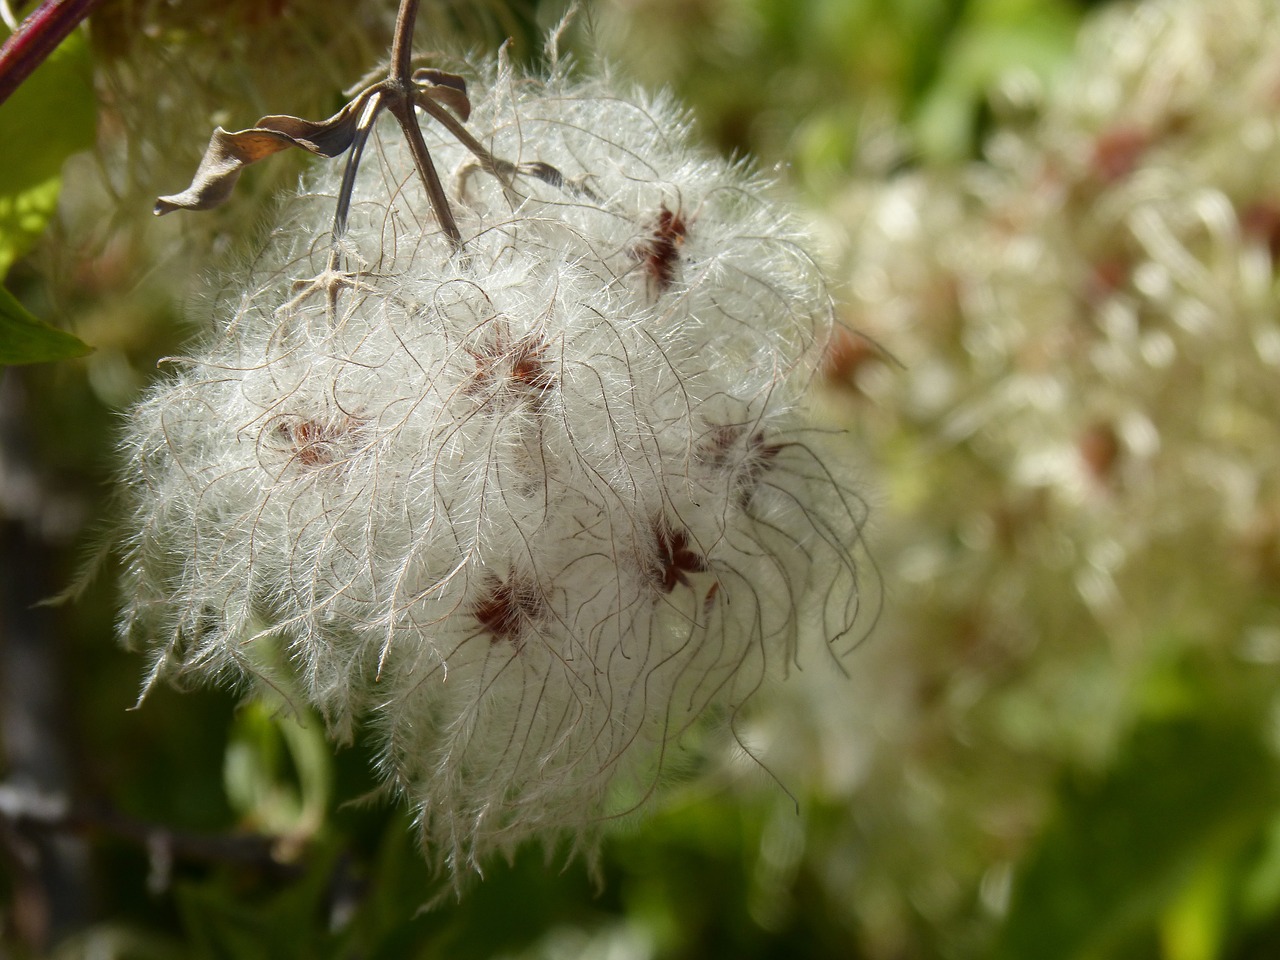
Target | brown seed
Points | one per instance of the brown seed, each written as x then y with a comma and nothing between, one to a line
1260,221
660,253
1100,450
1117,152
518,365
760,457
675,559
316,442
506,608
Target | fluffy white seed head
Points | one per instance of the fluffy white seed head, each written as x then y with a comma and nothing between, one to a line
528,510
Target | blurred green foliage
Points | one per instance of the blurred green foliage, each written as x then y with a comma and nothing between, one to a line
48,118
814,83
1163,842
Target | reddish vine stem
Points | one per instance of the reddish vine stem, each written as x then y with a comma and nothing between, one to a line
37,37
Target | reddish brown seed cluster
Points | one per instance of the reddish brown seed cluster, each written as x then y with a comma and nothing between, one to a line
675,558
507,608
1260,221
1117,152
315,442
660,253
848,355
1106,277
720,450
719,443
512,364
1100,450
760,457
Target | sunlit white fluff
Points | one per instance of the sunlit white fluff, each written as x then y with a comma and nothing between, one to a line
528,510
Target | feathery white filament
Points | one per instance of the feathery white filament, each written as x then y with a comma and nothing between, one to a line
531,509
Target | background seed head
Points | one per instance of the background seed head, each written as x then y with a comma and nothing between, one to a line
530,510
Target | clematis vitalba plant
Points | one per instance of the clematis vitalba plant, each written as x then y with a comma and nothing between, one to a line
507,466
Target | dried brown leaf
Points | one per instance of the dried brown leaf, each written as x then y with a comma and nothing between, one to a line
448,89
229,152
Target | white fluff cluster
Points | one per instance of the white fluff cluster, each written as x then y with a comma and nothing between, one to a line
530,509
1091,314
1080,452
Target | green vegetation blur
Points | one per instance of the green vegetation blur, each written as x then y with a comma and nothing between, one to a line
997,770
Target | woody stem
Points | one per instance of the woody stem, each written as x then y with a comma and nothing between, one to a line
400,95
403,110
402,43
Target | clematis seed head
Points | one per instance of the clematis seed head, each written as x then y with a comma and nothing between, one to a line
527,509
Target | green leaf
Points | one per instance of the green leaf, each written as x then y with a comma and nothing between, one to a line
277,769
25,339
1039,39
289,924
51,116
1260,888
23,217
1195,924
1187,791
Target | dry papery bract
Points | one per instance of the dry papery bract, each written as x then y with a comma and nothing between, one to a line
528,510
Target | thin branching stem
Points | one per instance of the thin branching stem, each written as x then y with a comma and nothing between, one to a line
403,109
363,128
400,94
397,94
495,167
